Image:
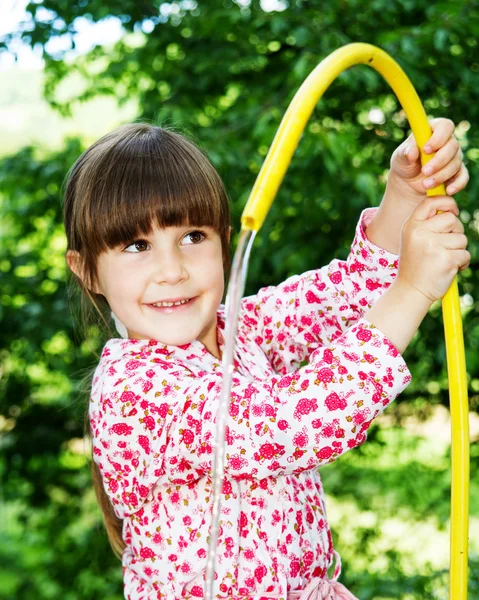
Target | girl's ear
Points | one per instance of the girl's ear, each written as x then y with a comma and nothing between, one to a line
74,261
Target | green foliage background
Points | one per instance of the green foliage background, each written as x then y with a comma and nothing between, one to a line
224,74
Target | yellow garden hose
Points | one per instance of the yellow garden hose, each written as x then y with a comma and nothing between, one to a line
259,203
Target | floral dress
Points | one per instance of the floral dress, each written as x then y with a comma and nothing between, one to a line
152,416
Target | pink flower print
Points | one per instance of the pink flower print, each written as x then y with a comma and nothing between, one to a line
372,285
248,554
285,382
327,430
183,465
149,422
162,410
301,439
267,450
163,351
342,370
130,499
243,520
172,558
158,538
202,553
121,429
364,334
369,357
234,410
316,423
325,375
197,591
227,488
237,462
283,425
304,407
328,356
229,542
150,373
133,364
325,453
334,402
175,498
269,411
291,288
359,415
127,397
383,262
113,485
311,298
275,517
336,277
147,386
147,553
306,321
308,558
143,491
294,567
188,436
186,568
260,572
144,443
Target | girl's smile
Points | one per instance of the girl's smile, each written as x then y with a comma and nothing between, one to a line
174,308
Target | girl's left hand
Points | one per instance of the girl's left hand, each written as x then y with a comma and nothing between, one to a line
446,166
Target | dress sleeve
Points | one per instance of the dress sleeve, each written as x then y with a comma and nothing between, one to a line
152,427
305,312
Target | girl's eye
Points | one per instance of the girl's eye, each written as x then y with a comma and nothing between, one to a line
197,236
137,244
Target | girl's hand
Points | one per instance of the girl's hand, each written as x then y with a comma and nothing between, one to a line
446,167
433,247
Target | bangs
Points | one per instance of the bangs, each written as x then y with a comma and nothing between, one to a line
149,178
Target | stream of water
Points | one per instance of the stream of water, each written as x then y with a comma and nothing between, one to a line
232,306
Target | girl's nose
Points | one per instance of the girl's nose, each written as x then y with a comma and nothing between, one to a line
169,268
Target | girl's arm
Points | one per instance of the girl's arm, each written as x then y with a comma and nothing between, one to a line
305,312
151,423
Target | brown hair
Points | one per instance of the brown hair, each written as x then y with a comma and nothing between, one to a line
129,180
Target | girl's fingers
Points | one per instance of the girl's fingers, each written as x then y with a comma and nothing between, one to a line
442,131
444,174
444,222
458,182
431,204
455,241
443,156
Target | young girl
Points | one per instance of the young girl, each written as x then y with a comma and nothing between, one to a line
147,222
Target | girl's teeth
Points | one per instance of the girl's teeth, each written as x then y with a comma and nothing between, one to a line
164,304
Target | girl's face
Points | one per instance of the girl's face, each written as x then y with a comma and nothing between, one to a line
172,264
